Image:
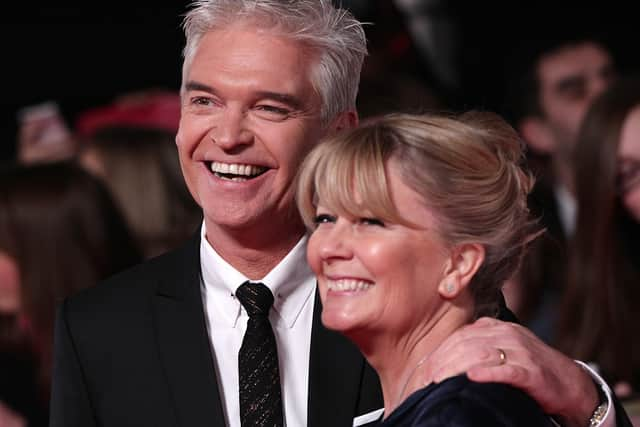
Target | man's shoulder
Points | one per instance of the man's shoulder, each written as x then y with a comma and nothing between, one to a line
135,285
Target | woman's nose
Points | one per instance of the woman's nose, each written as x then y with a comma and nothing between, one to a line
336,243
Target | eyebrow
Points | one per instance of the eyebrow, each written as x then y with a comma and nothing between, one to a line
193,85
284,98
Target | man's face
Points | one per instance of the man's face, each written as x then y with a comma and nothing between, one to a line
249,116
569,80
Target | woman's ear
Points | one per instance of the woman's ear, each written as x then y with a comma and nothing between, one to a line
464,262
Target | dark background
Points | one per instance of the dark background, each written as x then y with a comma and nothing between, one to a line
85,55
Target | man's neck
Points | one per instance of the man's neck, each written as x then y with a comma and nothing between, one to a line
254,251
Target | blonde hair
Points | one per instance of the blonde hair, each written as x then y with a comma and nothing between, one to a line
468,169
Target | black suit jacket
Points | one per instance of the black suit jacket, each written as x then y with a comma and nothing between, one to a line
134,351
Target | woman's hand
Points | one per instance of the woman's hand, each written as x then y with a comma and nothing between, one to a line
559,385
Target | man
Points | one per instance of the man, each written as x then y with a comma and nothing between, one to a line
158,345
562,78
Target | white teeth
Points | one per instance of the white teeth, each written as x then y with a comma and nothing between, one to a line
236,169
348,285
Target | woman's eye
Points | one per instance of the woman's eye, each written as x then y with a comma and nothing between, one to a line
372,221
323,219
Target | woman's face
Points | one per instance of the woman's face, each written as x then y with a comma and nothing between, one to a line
9,285
378,277
629,162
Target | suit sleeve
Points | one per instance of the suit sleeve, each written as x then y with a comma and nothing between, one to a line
70,405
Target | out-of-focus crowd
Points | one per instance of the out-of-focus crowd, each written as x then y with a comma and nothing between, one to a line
87,199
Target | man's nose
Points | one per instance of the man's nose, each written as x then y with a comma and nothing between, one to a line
231,130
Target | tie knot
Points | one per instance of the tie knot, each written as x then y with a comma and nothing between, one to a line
256,298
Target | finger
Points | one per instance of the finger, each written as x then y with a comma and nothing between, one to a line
508,374
484,328
468,355
464,337
481,352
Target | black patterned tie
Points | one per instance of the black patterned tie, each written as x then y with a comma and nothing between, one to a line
260,394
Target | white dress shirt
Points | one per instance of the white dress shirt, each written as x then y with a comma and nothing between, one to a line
293,285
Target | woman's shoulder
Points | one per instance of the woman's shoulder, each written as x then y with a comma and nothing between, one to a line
459,402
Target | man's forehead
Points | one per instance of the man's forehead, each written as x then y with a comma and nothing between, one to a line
251,59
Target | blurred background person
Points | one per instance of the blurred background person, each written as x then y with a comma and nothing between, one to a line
130,145
412,46
551,89
600,311
140,167
43,134
60,232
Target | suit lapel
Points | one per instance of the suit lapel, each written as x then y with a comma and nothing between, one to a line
336,374
183,341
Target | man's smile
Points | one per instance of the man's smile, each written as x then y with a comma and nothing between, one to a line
235,171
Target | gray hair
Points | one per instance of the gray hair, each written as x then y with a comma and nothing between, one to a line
332,32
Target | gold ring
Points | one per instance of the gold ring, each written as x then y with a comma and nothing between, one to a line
503,356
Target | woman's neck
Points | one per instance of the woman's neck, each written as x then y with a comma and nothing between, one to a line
402,361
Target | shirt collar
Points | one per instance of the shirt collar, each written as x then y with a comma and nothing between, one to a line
567,209
291,281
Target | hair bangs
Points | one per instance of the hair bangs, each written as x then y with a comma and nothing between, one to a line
350,178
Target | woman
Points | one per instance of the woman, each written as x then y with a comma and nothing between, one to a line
417,221
140,167
60,232
603,295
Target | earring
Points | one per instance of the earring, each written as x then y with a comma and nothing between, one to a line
451,287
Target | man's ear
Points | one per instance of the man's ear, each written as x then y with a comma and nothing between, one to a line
463,264
537,135
344,120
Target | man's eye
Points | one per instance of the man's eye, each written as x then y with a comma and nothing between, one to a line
272,111
323,219
372,221
201,100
